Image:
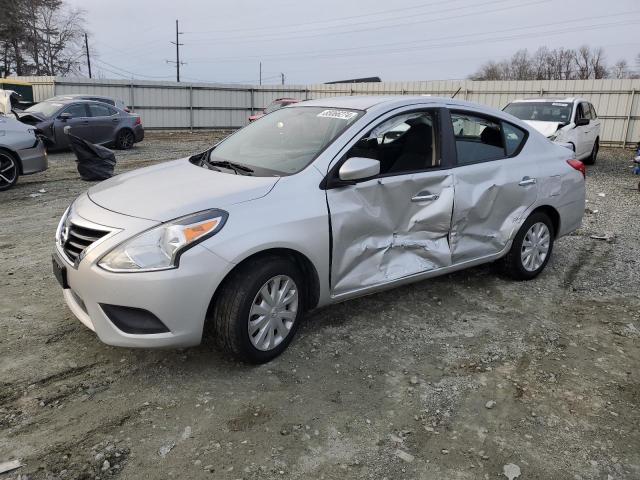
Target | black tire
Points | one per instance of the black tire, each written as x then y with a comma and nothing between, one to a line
9,170
591,159
228,319
512,263
125,139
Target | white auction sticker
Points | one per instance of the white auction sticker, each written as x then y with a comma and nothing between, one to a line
341,114
560,104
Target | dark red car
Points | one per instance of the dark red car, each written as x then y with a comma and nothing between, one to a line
275,105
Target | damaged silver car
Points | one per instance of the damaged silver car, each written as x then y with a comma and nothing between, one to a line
312,204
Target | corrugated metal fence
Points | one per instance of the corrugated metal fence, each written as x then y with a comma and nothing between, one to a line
171,105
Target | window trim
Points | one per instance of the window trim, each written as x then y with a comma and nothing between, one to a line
491,118
332,179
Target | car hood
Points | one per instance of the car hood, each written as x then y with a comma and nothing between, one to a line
173,189
545,128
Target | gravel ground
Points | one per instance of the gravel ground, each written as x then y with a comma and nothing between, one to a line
468,376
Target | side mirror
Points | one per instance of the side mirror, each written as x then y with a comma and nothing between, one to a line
357,168
581,122
65,116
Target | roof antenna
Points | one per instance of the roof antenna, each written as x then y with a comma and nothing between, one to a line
457,91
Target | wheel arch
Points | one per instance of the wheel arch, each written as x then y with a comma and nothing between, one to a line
552,213
306,266
15,156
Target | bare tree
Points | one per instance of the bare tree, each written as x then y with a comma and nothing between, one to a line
620,69
40,37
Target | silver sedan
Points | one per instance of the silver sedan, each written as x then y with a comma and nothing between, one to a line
312,204
21,152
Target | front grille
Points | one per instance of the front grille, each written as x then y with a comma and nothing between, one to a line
76,239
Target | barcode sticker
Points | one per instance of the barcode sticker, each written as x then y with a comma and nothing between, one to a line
341,114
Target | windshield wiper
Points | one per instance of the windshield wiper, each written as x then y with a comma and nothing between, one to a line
236,167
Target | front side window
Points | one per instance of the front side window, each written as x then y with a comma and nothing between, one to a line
594,115
404,143
478,139
541,111
286,141
580,113
76,110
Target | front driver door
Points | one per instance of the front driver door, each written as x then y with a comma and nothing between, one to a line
397,224
78,123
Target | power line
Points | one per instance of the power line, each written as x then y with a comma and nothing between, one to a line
383,48
352,31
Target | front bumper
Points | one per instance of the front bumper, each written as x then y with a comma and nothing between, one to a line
179,298
34,159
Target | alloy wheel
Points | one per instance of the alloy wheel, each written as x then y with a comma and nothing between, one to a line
535,247
126,140
8,170
273,312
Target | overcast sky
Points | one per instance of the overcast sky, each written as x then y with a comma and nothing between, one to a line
318,41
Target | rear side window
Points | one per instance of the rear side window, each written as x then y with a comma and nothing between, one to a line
97,110
513,138
478,139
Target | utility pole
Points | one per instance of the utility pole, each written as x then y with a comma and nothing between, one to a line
178,45
260,73
86,45
282,76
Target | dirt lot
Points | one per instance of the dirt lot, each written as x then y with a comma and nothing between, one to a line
394,385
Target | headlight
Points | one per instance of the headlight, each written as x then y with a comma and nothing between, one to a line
62,225
160,247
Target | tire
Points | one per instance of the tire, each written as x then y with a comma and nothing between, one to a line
232,317
125,139
9,170
514,262
591,159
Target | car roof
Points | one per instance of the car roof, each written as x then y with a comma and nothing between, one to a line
370,101
549,99
80,95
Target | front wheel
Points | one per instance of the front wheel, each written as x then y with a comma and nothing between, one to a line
258,309
531,248
9,171
591,159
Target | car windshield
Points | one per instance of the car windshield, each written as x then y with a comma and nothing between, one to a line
45,108
541,111
285,141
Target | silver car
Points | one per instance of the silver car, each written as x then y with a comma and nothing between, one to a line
313,204
21,152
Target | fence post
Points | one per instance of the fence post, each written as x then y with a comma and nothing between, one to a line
131,98
627,121
466,93
253,100
191,107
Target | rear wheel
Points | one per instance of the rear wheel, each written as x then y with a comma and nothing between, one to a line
591,159
9,171
125,139
258,309
531,248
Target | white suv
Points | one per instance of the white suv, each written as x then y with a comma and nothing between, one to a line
571,121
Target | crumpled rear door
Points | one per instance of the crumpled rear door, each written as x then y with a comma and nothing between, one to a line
390,227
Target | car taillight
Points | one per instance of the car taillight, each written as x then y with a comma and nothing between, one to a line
138,121
578,165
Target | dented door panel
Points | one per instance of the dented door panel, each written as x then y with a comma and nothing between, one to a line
388,228
491,201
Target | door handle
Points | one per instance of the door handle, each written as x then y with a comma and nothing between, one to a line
527,181
425,197
115,120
